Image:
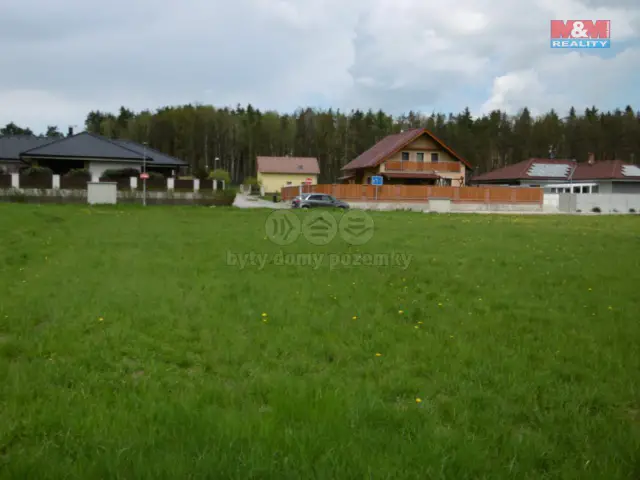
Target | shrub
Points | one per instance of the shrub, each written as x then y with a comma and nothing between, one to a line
79,173
220,175
200,173
155,176
632,210
119,174
251,182
596,210
36,171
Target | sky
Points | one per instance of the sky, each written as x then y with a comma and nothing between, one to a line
62,59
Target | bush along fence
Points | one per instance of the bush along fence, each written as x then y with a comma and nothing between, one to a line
77,180
422,193
37,185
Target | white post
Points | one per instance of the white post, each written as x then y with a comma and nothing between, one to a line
55,181
15,180
261,190
222,184
133,182
196,184
171,183
215,184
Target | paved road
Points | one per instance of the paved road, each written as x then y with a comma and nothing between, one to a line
244,201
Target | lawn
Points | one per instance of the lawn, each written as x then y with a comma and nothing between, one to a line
133,345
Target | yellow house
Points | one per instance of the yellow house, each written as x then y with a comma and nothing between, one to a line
414,157
277,172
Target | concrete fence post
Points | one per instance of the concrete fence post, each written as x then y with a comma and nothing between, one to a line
55,182
215,185
262,190
196,184
15,180
133,182
222,184
171,183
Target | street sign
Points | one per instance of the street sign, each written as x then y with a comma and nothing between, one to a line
144,176
376,180
309,181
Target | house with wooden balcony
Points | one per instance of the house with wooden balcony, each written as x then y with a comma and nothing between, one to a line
413,157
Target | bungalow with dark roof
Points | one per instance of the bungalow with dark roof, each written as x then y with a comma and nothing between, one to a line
83,150
567,176
414,157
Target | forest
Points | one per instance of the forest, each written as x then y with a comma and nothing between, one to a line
230,138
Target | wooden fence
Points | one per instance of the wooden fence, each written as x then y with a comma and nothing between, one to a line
416,193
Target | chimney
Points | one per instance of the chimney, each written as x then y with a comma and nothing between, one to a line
592,159
70,132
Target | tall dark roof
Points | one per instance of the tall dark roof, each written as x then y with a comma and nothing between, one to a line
91,145
86,145
394,143
11,146
158,157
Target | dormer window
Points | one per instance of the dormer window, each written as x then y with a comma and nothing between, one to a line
405,156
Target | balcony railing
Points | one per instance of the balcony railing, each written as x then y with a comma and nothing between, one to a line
398,166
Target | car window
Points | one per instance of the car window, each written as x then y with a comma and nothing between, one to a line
314,197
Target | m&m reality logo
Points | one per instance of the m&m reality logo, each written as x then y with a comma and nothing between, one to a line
580,34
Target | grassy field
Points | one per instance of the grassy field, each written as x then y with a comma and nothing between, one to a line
133,346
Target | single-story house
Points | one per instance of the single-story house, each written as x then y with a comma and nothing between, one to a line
277,172
85,150
12,146
567,176
414,157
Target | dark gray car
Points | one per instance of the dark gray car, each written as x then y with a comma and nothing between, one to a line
315,200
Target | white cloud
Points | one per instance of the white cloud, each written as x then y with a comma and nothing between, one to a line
67,59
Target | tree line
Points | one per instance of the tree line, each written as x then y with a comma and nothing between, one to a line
230,138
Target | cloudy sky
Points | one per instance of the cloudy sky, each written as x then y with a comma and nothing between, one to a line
62,58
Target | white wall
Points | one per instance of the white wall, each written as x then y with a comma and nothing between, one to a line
97,168
607,203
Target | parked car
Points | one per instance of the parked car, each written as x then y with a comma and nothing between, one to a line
314,200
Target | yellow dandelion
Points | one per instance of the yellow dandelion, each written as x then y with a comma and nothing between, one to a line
610,307
100,319
420,323
416,327
400,312
355,317
265,320
264,314
418,400
439,304
378,354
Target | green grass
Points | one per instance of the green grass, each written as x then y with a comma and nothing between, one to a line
526,354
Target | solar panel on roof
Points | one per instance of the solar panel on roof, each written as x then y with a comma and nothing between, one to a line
557,170
631,171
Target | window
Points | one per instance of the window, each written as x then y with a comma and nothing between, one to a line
446,182
289,183
315,197
594,189
420,156
576,189
585,189
435,157
405,156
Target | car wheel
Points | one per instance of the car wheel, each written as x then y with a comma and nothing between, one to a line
305,206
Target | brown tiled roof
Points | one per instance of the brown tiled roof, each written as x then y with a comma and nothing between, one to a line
392,144
519,171
603,170
303,165
411,175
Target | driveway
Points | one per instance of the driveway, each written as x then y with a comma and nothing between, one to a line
246,201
